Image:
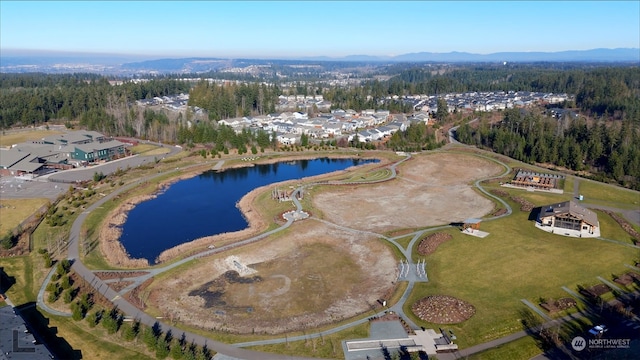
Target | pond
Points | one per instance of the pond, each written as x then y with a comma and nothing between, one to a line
205,205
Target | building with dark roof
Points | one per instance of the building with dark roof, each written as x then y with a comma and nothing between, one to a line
59,152
570,219
17,340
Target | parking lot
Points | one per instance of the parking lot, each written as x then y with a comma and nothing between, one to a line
51,185
12,187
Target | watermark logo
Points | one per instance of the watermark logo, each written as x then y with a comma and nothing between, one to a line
578,343
609,343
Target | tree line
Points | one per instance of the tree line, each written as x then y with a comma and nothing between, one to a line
609,92
232,100
222,138
608,151
34,99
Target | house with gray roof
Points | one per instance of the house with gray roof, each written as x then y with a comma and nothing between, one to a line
569,219
18,340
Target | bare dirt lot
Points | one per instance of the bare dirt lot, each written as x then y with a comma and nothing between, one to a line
314,274
430,190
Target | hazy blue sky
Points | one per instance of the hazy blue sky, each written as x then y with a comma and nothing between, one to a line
308,28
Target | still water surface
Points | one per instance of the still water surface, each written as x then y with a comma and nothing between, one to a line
206,204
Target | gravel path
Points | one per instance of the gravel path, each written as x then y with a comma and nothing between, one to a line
235,350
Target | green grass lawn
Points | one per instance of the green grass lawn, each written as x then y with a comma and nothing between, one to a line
609,195
610,229
568,185
22,136
327,347
524,348
81,342
19,270
15,211
515,261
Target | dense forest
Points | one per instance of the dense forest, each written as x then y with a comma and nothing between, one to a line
221,138
608,95
608,151
232,100
34,99
608,92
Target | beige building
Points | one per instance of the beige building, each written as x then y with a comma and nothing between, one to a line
568,218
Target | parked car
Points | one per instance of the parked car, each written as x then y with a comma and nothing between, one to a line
598,330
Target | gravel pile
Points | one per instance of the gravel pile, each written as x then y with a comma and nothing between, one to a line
625,225
443,309
429,244
524,204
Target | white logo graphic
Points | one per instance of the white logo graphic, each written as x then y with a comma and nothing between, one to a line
578,343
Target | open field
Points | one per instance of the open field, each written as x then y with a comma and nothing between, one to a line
313,274
11,138
609,195
96,343
19,269
326,347
148,149
516,261
309,276
431,190
524,348
610,229
14,211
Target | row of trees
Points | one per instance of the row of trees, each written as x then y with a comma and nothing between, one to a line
33,99
608,151
612,91
232,100
417,137
224,137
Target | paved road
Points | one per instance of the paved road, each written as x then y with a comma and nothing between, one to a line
235,350
130,310
452,131
230,350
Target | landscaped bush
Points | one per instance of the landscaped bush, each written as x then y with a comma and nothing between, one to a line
94,318
130,331
68,296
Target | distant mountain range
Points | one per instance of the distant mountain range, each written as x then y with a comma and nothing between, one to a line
31,60
593,55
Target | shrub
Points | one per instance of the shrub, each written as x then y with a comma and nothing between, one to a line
77,312
94,318
162,348
66,282
9,240
68,296
130,331
149,337
48,262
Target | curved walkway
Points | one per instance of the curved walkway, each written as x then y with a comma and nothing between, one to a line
235,350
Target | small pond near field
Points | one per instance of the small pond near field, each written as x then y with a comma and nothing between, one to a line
205,205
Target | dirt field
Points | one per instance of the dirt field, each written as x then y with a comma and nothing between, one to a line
312,275
430,190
